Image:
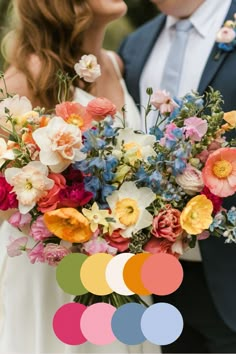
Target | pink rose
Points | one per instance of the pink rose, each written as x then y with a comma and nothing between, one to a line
19,220
118,241
54,253
36,254
190,180
167,224
195,128
161,100
101,107
51,199
225,35
39,231
7,197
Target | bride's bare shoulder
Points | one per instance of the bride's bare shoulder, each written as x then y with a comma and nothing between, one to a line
16,81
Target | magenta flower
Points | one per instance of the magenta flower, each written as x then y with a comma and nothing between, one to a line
36,254
195,128
39,231
7,197
54,253
17,246
74,196
19,220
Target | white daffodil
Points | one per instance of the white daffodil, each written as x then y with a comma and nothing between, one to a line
88,68
16,107
128,205
136,146
30,184
5,153
60,144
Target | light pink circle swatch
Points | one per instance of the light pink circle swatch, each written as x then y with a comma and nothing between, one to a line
96,323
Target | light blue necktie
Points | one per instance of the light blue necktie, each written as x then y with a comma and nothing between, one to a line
173,66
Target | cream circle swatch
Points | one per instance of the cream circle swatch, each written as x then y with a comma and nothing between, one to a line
114,274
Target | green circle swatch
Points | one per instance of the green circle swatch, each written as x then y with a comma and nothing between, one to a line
68,274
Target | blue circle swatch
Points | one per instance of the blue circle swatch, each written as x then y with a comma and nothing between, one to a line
162,323
126,324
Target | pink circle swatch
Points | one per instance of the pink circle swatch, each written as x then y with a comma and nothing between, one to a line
162,274
66,323
96,323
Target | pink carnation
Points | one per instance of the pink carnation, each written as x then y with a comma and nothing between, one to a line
19,220
101,107
74,196
225,35
195,128
162,100
39,230
7,197
36,254
54,253
50,201
98,245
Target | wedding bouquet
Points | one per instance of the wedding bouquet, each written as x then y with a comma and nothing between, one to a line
79,183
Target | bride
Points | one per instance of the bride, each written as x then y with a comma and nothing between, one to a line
53,35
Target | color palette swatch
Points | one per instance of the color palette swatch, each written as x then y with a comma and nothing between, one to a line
131,324
125,274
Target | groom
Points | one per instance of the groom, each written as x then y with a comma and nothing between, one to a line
177,51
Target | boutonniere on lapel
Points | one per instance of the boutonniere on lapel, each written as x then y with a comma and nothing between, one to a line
226,38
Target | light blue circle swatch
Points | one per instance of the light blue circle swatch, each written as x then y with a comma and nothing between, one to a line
162,323
125,323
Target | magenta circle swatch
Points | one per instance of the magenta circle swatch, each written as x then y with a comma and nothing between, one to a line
96,323
66,323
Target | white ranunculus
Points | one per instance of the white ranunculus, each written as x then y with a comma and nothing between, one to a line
190,180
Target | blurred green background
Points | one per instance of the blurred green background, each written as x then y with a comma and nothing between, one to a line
139,11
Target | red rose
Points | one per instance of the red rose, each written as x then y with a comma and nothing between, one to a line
167,224
118,241
101,107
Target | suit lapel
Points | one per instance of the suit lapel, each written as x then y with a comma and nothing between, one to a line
214,65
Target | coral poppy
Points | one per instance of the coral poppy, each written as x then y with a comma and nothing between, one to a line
219,173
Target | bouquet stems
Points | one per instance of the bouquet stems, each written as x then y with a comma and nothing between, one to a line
114,299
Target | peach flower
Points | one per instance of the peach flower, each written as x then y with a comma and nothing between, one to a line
51,199
101,107
225,35
118,241
219,173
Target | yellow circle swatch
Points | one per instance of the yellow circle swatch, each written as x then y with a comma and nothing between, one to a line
93,274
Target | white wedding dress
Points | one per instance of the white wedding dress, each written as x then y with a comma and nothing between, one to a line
30,296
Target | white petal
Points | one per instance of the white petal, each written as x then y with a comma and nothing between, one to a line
145,197
60,167
24,209
49,157
10,173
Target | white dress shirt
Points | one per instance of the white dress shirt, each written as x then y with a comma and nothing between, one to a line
206,21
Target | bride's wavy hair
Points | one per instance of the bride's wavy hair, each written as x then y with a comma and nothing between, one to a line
53,30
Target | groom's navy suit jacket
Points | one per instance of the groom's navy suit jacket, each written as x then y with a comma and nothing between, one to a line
219,259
